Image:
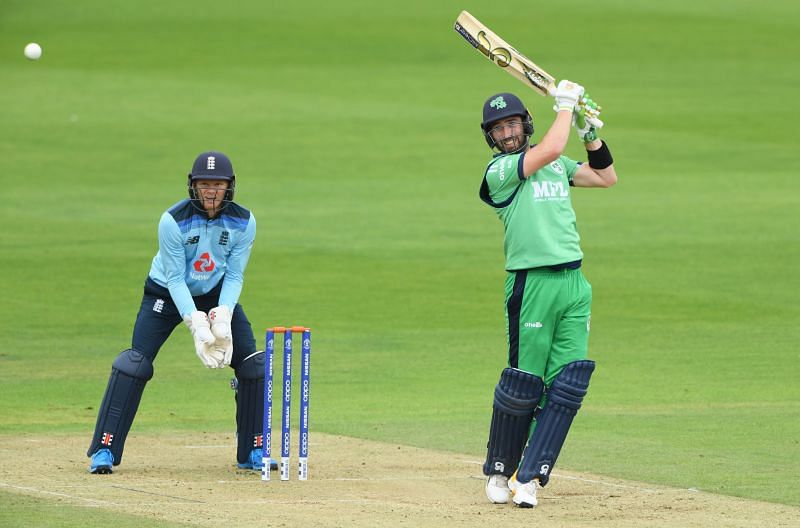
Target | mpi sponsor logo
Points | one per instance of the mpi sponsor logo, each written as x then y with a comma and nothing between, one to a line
549,190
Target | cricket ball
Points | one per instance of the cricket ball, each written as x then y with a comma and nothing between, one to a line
33,51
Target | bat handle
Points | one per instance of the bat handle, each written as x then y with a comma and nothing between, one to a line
595,122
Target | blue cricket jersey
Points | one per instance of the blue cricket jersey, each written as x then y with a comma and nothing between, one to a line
195,253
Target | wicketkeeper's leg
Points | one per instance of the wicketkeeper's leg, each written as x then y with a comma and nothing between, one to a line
129,374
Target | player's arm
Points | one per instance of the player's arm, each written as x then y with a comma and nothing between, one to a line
170,246
599,172
170,243
236,264
555,140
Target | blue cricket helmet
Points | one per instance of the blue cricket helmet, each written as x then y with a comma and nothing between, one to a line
501,106
212,165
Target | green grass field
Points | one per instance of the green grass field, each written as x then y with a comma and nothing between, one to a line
354,134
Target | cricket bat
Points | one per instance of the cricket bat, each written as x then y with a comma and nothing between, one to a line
508,58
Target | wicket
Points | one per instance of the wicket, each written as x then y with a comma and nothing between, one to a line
305,382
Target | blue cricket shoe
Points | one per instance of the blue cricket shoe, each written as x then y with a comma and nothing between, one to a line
102,462
254,462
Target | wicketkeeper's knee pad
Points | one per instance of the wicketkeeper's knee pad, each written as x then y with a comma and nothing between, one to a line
515,400
130,372
564,398
249,405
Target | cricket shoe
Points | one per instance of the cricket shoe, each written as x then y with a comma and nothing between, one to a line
102,462
497,489
254,462
523,494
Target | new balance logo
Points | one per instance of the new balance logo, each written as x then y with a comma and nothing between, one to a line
210,162
158,305
192,240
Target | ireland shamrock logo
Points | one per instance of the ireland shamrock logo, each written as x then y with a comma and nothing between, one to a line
498,103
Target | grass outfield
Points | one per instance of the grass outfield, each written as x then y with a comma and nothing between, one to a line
354,135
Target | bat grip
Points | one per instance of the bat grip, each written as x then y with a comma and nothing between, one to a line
595,122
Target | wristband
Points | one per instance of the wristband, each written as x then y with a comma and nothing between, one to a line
600,158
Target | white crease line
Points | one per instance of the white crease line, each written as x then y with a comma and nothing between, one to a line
391,479
43,492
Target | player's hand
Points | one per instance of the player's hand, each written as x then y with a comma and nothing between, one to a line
220,318
586,131
567,95
590,109
203,339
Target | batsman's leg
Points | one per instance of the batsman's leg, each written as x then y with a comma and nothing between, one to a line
515,399
129,374
564,398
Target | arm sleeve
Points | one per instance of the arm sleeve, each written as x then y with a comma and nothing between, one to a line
503,176
571,166
170,245
237,262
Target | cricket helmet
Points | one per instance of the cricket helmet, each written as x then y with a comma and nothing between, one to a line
212,165
501,106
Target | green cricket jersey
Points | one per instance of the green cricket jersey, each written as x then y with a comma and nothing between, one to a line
539,222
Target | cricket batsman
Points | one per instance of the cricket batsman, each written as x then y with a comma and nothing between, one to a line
547,298
196,278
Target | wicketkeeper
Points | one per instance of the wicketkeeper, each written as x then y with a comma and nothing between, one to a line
547,298
196,278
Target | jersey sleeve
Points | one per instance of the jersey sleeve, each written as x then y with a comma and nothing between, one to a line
170,245
503,176
237,262
571,166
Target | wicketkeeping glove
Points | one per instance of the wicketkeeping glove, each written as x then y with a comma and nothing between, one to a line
220,318
204,339
567,95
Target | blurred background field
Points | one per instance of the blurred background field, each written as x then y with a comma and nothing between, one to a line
353,129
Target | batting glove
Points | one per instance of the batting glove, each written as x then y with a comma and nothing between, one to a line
203,339
220,318
567,95
590,108
586,131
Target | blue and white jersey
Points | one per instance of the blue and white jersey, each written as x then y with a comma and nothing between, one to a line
195,253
